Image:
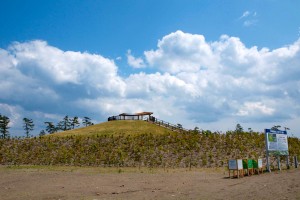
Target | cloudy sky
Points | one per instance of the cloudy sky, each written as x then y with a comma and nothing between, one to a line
210,64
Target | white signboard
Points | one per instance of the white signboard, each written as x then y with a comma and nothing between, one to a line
259,163
240,163
277,142
282,142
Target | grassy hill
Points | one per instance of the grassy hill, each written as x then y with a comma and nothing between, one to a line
136,143
127,127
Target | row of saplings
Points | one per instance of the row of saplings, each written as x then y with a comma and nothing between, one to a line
145,150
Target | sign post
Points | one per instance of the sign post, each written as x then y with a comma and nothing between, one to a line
276,144
278,162
287,162
267,151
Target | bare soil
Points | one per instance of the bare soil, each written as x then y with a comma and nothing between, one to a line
29,182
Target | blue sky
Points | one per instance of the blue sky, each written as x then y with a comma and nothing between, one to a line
210,64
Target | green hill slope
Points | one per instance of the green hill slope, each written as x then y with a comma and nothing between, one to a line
136,143
132,127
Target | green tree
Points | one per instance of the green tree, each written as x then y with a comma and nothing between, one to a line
239,128
207,132
50,128
4,121
28,126
275,127
65,124
74,122
87,121
196,130
179,126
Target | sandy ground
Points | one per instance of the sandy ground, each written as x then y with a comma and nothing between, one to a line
106,183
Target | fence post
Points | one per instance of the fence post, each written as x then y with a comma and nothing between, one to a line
296,161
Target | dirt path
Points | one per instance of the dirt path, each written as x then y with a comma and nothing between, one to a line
97,183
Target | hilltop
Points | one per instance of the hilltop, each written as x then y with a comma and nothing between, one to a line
127,127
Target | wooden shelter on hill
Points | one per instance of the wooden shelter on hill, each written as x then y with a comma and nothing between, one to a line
135,116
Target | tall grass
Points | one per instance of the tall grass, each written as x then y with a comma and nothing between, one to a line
137,150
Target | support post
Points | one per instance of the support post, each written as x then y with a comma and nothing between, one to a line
296,161
267,152
268,162
287,162
278,162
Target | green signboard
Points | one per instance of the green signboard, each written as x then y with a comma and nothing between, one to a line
257,163
248,163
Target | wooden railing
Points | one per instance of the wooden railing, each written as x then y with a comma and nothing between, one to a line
168,125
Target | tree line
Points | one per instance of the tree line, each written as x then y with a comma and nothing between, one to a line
68,123
65,124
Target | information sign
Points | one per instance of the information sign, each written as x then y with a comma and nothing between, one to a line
240,163
235,164
232,164
259,162
277,142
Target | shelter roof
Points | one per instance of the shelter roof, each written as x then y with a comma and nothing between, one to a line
136,114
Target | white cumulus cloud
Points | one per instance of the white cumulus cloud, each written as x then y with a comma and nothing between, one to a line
194,82
181,52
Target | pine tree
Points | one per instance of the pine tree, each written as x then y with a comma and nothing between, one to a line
4,121
50,128
65,124
87,121
239,128
276,128
196,130
28,126
179,126
74,122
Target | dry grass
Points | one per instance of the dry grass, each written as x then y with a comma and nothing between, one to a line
135,144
